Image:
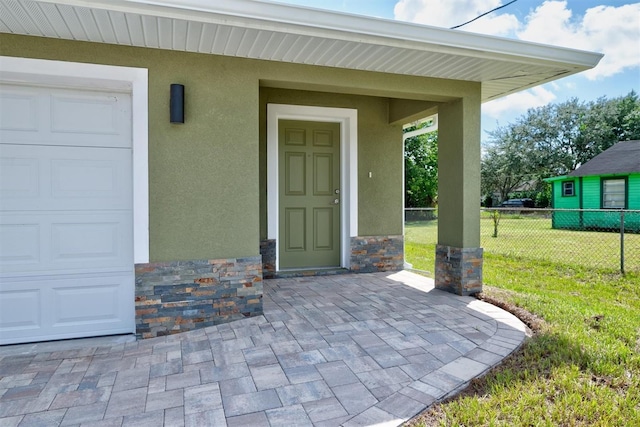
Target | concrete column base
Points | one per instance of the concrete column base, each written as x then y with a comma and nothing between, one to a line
459,270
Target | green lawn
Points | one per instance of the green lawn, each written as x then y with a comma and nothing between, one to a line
582,367
533,238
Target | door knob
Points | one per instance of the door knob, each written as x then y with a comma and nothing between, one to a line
336,201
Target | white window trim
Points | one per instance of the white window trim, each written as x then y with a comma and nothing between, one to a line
624,192
107,77
573,188
348,119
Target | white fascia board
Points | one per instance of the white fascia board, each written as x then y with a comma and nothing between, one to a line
279,17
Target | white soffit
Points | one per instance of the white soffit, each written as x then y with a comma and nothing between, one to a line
278,32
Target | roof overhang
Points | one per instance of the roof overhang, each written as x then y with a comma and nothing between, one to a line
556,178
278,32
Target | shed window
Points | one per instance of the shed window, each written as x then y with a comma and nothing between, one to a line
568,189
614,193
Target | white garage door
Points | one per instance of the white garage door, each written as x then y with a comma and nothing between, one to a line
66,245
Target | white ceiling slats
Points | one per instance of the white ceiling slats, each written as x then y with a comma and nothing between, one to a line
52,15
105,27
259,30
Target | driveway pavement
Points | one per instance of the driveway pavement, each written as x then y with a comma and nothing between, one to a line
351,350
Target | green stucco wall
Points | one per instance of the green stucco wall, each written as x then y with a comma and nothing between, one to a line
459,172
207,177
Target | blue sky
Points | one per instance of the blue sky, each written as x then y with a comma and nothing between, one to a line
611,27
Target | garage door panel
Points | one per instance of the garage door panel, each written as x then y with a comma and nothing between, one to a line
20,310
81,242
19,177
97,303
86,114
74,242
66,307
64,117
96,180
19,110
65,178
85,304
20,245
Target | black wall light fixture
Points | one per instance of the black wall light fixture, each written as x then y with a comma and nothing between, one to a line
176,103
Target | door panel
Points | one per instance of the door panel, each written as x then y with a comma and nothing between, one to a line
323,174
295,174
322,138
322,226
295,225
309,174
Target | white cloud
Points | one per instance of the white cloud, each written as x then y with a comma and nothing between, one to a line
614,31
611,30
455,12
550,23
518,103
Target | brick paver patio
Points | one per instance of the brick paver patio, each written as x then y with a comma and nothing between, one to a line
352,350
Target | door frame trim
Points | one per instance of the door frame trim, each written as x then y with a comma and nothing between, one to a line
348,119
127,79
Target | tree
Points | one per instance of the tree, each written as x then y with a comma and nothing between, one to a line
421,170
504,168
554,140
607,122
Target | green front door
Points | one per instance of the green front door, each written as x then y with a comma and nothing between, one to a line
309,194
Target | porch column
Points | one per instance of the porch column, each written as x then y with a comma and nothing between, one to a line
458,253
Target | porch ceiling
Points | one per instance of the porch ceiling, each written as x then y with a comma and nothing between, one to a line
277,32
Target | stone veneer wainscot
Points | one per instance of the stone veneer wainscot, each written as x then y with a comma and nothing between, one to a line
368,254
179,296
377,253
268,252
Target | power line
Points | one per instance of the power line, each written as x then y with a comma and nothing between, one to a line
486,13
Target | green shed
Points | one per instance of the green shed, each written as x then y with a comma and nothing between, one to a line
598,190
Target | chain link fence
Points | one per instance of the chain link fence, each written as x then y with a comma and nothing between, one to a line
604,239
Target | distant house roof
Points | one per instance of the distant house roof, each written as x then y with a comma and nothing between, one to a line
623,157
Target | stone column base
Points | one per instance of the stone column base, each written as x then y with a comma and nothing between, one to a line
459,270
